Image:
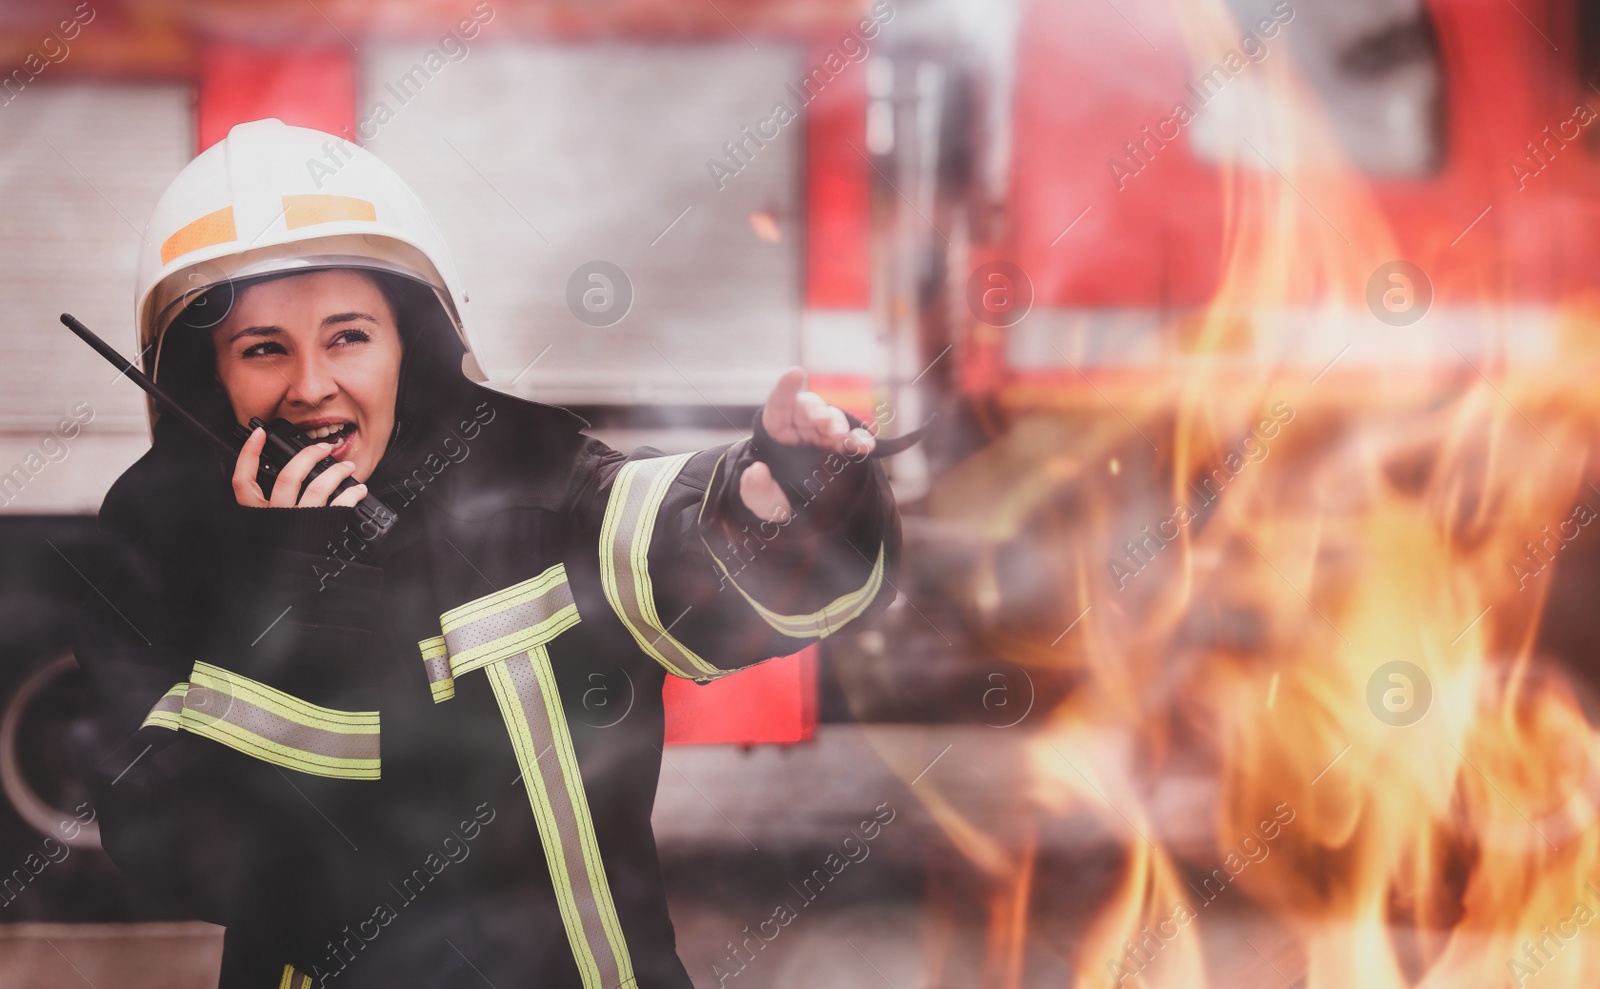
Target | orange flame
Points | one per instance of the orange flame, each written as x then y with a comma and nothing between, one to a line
1425,825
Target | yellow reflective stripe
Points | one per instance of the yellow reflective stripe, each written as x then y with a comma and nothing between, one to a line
823,623
530,701
279,728
168,711
630,520
288,756
572,776
504,634
818,624
280,703
510,621
288,981
436,660
491,604
527,760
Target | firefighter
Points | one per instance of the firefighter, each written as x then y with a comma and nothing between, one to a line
367,753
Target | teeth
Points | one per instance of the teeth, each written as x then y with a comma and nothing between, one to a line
323,431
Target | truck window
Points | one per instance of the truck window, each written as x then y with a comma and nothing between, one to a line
1373,65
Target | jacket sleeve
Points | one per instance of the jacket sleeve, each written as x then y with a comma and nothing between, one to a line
706,587
235,712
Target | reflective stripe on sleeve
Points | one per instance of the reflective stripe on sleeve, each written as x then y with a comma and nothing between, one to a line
436,660
168,711
271,725
817,624
294,980
525,688
630,520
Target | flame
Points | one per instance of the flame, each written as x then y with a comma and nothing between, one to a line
1382,826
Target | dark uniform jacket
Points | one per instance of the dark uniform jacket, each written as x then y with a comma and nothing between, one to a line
382,762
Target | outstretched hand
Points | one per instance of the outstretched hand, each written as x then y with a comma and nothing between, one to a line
797,417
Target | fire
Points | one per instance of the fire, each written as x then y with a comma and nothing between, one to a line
1346,637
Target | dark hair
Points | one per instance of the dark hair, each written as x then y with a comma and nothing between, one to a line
430,368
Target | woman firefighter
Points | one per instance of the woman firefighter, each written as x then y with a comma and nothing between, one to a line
363,751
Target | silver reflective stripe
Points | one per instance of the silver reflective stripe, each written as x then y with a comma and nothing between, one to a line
204,705
438,668
514,618
168,711
530,702
637,493
504,634
279,728
436,661
508,622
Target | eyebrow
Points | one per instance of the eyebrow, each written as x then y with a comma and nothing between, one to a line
256,331
268,331
342,317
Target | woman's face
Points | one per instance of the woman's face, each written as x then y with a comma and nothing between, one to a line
320,350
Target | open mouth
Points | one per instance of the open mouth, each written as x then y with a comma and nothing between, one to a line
335,433
339,434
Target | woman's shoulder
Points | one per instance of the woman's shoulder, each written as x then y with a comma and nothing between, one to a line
524,413
501,451
544,437
166,498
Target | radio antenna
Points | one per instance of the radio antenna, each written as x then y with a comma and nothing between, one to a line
139,378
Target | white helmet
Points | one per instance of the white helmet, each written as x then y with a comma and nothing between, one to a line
270,198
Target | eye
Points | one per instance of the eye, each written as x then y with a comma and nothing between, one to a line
349,337
262,349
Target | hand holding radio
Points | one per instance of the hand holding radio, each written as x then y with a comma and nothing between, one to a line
326,478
